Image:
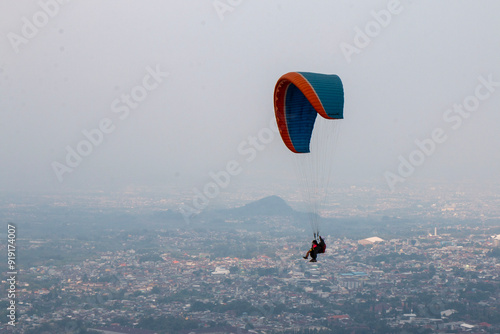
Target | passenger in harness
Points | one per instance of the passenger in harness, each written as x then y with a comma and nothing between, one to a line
321,245
316,248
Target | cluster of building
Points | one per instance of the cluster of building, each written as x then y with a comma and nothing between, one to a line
434,282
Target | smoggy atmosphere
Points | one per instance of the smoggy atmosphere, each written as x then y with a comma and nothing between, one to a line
123,94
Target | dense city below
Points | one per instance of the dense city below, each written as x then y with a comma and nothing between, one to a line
102,270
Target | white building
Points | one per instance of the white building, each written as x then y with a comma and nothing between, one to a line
496,240
220,271
370,241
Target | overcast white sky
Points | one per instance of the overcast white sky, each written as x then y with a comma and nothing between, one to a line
62,78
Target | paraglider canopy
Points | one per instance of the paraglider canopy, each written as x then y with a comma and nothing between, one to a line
298,98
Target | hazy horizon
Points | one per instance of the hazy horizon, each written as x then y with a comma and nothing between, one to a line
203,76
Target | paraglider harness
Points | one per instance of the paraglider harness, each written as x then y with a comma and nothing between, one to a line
321,243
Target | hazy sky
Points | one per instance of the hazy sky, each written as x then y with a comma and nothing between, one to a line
67,68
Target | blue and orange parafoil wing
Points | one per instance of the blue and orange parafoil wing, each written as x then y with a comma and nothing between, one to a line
298,98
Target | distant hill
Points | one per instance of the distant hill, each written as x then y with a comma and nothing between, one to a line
166,215
269,206
250,215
